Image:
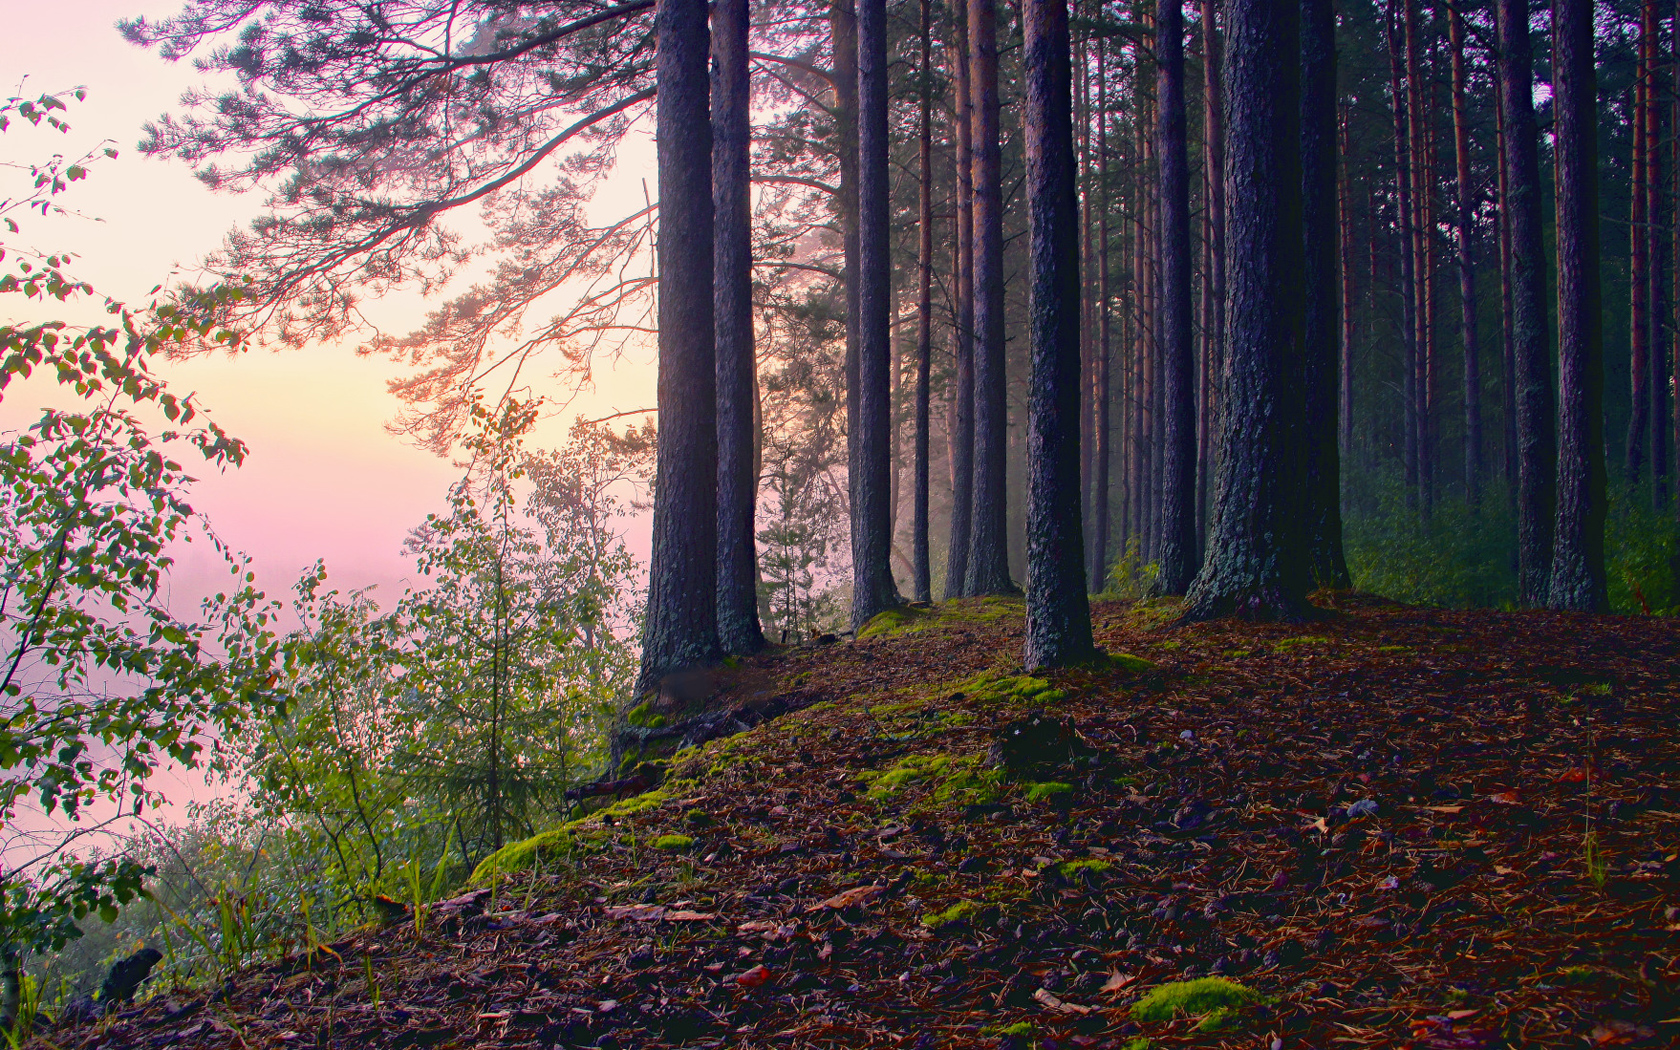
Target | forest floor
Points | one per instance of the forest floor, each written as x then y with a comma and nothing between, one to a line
1394,827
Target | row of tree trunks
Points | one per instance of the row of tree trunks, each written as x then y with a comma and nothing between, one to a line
737,477
1320,500
1577,577
1176,552
1535,439
988,551
1058,630
921,586
962,274
1466,265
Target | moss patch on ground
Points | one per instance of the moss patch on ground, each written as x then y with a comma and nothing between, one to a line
950,780
1213,999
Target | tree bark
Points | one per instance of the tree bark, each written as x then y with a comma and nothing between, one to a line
1639,363
1507,344
873,589
1344,231
1256,561
681,629
1408,286
1177,552
962,413
1536,447
1423,222
922,582
1058,616
1578,580
1213,142
737,580
1468,334
1321,502
1657,263
1101,453
988,550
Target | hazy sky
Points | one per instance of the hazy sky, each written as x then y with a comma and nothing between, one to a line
324,478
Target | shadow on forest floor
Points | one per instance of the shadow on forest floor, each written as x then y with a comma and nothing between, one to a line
1395,827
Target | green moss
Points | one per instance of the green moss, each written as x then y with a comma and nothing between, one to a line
957,912
1214,999
568,838
698,818
1139,1043
523,855
898,620
1283,645
1044,790
672,842
1128,662
1394,648
1236,654
989,687
911,769
644,716
1023,1029
1071,868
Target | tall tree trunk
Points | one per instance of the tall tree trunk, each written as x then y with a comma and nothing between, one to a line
1084,169
1466,266
1213,144
737,580
873,589
1100,432
1256,560
1578,580
922,582
1058,616
1321,503
1536,444
1344,232
1177,552
962,274
1657,264
1507,342
842,17
988,549
1638,275
681,630
1423,222
1408,286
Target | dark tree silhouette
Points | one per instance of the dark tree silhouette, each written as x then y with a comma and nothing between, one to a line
1321,497
1213,294
1536,451
737,489
962,279
1058,613
922,584
988,549
681,630
1255,561
1177,551
873,589
1464,213
1578,580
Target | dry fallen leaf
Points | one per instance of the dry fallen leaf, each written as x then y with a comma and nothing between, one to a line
857,895
1048,998
1117,980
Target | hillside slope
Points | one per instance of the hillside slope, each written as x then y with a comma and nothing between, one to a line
1393,827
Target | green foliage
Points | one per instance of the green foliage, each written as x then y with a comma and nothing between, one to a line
1130,576
426,737
1460,557
103,681
1045,790
957,912
1214,999
1464,558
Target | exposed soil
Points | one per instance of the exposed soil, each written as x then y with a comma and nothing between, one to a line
1403,827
